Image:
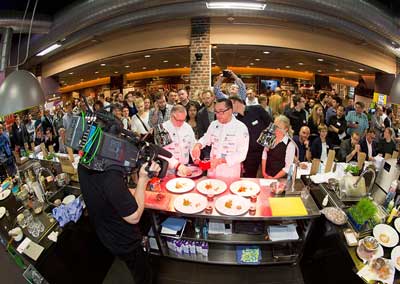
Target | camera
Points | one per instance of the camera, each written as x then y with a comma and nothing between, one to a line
226,73
198,56
104,144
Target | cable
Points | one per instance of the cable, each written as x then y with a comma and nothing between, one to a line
20,32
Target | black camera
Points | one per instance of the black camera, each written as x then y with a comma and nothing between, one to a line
226,73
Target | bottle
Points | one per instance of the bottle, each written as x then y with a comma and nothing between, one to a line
391,193
393,213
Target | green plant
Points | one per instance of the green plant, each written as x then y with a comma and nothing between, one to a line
364,210
353,169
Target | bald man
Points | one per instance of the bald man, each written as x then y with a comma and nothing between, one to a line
303,144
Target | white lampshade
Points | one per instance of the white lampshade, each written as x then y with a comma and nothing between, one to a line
20,90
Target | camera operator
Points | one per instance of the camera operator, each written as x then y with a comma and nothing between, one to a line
115,212
237,89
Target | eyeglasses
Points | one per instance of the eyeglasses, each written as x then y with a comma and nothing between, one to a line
222,111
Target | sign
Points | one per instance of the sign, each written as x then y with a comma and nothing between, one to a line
380,99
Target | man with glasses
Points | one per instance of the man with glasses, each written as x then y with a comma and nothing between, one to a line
297,115
183,140
229,141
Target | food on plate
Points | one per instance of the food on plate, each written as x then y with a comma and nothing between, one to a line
179,185
208,186
228,204
380,268
239,207
197,204
370,243
187,202
398,261
384,238
335,215
242,189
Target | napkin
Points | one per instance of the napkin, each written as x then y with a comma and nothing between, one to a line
367,274
70,212
53,236
322,177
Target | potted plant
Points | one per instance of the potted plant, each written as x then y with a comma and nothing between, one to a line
361,212
352,169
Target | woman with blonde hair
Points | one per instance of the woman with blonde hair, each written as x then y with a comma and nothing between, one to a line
275,104
276,161
316,119
140,121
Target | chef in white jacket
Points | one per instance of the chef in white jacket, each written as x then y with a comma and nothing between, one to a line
183,140
229,141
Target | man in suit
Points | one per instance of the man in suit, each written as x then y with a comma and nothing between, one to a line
368,145
19,133
205,116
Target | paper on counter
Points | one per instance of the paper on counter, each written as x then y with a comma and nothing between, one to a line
303,172
30,248
322,177
53,236
267,182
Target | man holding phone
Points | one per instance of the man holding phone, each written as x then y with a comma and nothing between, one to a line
161,111
237,89
357,120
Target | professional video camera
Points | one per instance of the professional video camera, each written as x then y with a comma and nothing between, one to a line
105,144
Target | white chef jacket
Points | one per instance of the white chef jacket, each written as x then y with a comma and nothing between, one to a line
229,141
183,140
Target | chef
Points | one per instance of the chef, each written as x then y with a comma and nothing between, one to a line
183,140
229,141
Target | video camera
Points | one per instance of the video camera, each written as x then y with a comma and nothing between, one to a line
105,144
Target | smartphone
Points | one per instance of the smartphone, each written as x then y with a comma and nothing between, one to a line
226,73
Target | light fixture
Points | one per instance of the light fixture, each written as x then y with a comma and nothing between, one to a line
97,72
115,72
287,66
165,61
257,59
144,68
19,91
49,49
81,80
147,56
266,52
319,71
176,64
300,63
235,5
213,63
127,66
251,63
320,59
337,70
71,73
214,46
102,64
361,69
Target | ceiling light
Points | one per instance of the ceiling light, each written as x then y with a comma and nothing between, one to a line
287,66
361,69
147,56
49,49
115,72
176,64
214,46
235,5
165,61
71,73
320,59
278,68
102,64
213,63
301,63
266,52
257,59
144,68
81,80
251,63
337,70
97,72
127,66
319,70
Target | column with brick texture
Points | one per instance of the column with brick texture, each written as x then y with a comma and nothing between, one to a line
200,70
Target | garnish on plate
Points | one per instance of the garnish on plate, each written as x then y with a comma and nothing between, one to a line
228,204
242,189
384,238
187,202
208,186
179,185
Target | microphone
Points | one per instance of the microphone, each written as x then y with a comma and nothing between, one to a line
161,151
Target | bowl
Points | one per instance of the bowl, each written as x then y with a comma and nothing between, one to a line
370,243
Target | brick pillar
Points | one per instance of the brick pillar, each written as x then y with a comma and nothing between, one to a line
200,72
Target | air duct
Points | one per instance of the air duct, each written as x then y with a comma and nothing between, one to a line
5,45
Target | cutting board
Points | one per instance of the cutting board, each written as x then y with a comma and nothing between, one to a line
287,206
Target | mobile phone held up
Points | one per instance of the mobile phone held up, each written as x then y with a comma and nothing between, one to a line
226,73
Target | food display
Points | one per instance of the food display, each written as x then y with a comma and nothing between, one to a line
386,235
381,268
180,185
194,170
395,257
232,205
211,186
244,188
335,215
190,203
369,248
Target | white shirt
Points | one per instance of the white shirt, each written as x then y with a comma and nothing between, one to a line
324,153
229,141
183,140
290,152
137,125
251,103
106,104
369,146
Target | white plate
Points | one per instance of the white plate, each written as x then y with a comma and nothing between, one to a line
68,199
232,205
184,185
378,253
397,224
2,212
244,188
4,194
190,203
217,186
386,235
395,254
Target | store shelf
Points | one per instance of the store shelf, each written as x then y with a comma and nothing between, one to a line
225,254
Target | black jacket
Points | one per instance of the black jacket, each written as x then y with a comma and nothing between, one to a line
19,136
364,148
202,121
316,148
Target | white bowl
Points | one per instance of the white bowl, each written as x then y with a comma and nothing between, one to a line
68,199
386,235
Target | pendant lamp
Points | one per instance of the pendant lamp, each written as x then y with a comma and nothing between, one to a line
19,91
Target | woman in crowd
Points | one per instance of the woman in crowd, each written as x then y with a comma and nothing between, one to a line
61,141
275,104
140,121
191,119
387,145
276,161
316,119
321,145
147,104
39,139
126,120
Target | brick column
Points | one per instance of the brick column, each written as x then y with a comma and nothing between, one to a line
200,72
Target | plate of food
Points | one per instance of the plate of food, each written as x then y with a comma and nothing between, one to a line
245,188
2,212
211,186
4,194
397,224
369,248
232,205
190,203
386,235
196,172
380,269
395,256
180,185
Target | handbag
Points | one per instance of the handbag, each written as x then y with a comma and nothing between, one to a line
148,137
